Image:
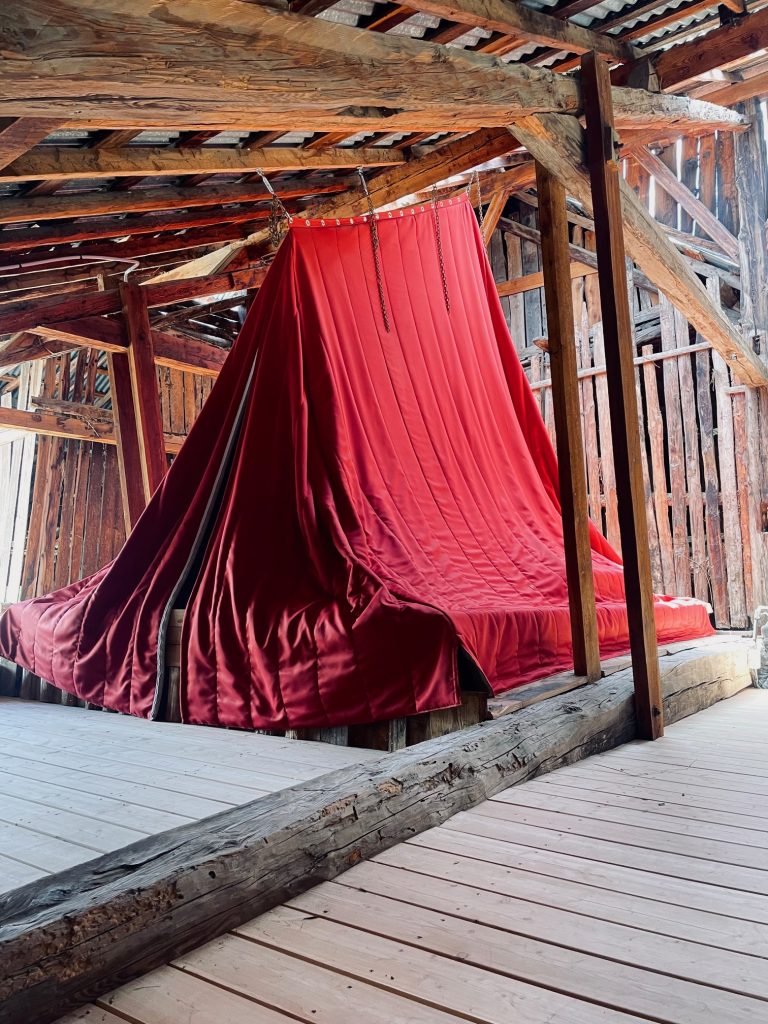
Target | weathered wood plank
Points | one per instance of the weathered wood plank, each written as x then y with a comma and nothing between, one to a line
55,163
135,909
567,416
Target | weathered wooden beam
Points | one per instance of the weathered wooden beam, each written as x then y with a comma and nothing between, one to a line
235,221
492,214
577,253
603,164
51,163
574,508
755,87
17,135
127,436
73,421
688,61
25,314
683,195
137,908
514,19
531,282
195,68
144,387
175,351
558,143
145,200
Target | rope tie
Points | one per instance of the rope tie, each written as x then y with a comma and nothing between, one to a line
376,249
475,180
278,215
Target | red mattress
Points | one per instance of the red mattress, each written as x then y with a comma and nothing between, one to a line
352,506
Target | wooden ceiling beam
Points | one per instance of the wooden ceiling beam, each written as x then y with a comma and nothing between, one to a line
752,88
22,239
525,24
22,314
18,134
175,351
92,204
679,191
686,62
558,142
72,421
56,163
197,68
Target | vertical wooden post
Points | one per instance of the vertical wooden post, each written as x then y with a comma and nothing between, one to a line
553,223
127,437
144,388
619,353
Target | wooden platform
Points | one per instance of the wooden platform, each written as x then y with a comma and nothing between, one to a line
75,784
632,886
137,907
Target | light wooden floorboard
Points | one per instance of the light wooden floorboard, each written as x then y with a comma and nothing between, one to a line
75,784
607,892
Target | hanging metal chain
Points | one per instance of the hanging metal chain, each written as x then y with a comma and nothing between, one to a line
278,215
376,249
475,180
439,239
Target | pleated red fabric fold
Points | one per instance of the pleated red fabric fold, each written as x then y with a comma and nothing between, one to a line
352,506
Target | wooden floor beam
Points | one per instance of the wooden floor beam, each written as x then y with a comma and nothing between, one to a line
567,410
602,160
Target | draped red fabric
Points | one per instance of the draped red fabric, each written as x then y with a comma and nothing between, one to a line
352,506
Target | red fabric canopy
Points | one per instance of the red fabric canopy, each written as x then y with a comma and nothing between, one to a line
352,505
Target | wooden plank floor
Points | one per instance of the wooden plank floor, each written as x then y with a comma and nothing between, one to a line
75,784
632,886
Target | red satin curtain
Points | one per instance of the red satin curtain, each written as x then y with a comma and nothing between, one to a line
386,496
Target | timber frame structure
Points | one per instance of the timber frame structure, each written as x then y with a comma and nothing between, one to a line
616,155
136,193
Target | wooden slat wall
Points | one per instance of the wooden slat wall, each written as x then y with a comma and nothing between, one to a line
706,480
74,522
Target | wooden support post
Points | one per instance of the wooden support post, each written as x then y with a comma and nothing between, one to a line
127,434
603,169
553,222
144,388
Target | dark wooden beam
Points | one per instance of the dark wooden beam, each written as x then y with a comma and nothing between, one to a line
603,164
553,223
144,387
688,61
